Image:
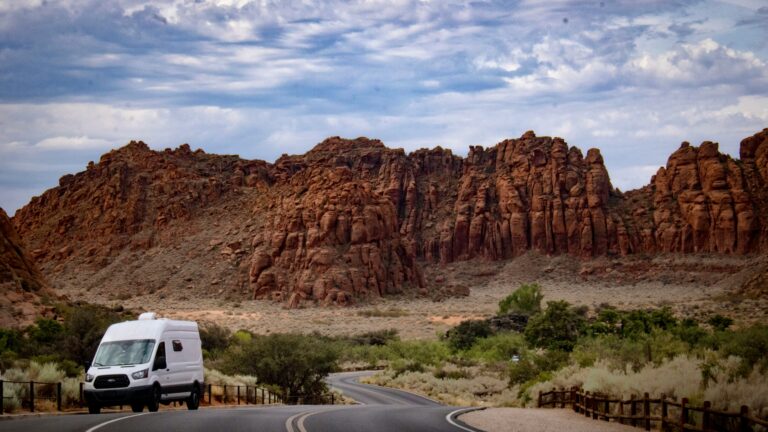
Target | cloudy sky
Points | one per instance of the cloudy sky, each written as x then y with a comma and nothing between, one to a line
266,77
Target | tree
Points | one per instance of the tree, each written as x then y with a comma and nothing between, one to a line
524,300
297,364
464,335
557,328
83,329
214,338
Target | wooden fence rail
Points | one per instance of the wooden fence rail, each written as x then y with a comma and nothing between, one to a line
647,413
33,392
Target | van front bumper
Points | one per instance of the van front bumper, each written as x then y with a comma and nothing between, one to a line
119,396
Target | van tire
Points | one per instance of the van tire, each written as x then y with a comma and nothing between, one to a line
137,407
154,400
193,402
94,409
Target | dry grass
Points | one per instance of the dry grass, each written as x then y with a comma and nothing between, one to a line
679,377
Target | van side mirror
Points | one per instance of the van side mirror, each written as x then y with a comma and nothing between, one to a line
159,363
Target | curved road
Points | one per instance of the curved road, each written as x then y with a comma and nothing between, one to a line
379,409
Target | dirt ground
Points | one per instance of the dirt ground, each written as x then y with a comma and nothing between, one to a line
698,286
537,420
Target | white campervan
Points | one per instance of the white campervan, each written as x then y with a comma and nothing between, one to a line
146,362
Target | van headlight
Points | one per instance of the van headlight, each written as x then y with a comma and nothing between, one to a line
88,377
140,374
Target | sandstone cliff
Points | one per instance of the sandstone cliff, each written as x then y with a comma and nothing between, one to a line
21,284
354,219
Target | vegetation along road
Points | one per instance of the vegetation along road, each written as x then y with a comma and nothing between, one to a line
379,410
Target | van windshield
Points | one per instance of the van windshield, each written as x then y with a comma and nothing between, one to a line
127,352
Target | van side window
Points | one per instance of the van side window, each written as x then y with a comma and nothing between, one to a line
160,362
177,346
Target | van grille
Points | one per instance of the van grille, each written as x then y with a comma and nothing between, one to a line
111,381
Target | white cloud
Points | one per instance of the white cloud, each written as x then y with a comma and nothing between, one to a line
699,64
72,143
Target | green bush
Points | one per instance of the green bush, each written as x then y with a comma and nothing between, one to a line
498,347
719,322
751,344
557,328
214,338
297,364
524,300
378,337
464,335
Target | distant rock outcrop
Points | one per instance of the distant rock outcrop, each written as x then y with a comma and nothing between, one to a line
21,284
354,219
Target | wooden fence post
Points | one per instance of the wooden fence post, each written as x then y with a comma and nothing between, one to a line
595,406
621,410
58,396
607,409
664,412
32,396
2,400
539,402
586,404
744,419
705,418
562,397
647,411
573,397
683,413
210,393
632,410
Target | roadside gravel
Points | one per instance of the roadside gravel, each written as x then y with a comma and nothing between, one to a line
537,420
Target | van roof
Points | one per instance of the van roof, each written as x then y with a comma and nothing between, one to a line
147,329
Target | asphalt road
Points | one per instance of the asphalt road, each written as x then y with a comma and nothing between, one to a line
378,410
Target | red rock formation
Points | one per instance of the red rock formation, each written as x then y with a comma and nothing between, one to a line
21,284
355,219
126,199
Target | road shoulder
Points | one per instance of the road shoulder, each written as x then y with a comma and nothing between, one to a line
536,420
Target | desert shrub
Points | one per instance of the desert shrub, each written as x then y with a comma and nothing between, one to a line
557,328
451,371
720,322
751,345
534,365
81,333
498,347
524,300
639,322
46,372
242,337
464,335
377,337
11,403
44,336
401,366
297,364
689,332
430,353
214,338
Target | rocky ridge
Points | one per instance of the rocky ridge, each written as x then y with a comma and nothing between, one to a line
353,219
22,286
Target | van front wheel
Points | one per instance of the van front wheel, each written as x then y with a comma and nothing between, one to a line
154,400
194,398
